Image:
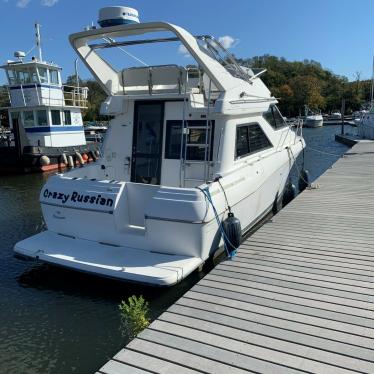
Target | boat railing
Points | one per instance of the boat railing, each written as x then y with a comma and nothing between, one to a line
154,79
36,95
297,125
75,96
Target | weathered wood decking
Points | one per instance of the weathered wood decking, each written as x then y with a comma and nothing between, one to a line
299,297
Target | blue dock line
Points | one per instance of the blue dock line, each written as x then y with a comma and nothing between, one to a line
226,240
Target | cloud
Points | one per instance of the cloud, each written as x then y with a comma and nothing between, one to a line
49,2
22,3
228,41
183,51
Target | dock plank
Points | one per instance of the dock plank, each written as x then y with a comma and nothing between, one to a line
298,298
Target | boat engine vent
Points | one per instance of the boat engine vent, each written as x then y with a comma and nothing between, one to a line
117,15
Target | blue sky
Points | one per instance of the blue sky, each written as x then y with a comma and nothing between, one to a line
339,34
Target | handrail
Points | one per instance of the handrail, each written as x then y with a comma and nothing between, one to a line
69,96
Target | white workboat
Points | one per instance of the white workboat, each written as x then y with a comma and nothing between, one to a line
182,141
45,117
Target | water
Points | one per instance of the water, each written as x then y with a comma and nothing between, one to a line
322,151
58,321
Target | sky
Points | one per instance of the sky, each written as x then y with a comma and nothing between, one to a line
338,34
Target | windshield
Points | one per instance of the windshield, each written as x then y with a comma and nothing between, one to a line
156,51
214,49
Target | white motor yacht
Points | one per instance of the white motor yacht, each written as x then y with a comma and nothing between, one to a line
365,127
312,118
188,147
335,116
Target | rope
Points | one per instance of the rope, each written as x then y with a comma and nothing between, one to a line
224,192
298,170
226,240
324,152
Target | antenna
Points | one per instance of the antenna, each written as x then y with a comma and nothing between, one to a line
76,72
38,41
372,84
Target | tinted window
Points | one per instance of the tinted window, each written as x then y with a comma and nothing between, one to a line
274,118
67,117
242,143
42,117
12,77
43,75
56,118
53,76
28,119
250,139
195,138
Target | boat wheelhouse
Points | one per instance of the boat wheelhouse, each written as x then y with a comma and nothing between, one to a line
188,148
44,114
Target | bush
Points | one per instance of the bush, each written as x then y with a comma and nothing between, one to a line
134,315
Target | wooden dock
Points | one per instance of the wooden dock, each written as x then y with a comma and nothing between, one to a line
298,298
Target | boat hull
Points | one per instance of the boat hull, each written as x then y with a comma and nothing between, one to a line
179,234
30,160
313,123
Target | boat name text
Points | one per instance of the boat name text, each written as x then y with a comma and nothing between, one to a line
77,197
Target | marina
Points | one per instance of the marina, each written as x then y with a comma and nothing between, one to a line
184,202
91,335
297,298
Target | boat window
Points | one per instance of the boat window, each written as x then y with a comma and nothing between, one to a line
195,139
15,116
43,75
28,118
33,75
53,77
274,118
24,76
250,139
12,77
67,117
42,117
56,117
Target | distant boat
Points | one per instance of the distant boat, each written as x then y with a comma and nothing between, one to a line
312,118
335,116
366,125
95,132
45,119
357,116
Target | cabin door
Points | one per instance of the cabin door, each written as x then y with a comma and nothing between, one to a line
147,142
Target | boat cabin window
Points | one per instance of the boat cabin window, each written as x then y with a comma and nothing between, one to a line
53,77
274,117
67,117
15,116
41,116
43,75
250,139
195,139
28,118
12,77
22,76
56,117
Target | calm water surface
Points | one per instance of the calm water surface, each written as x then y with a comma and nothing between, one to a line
58,321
